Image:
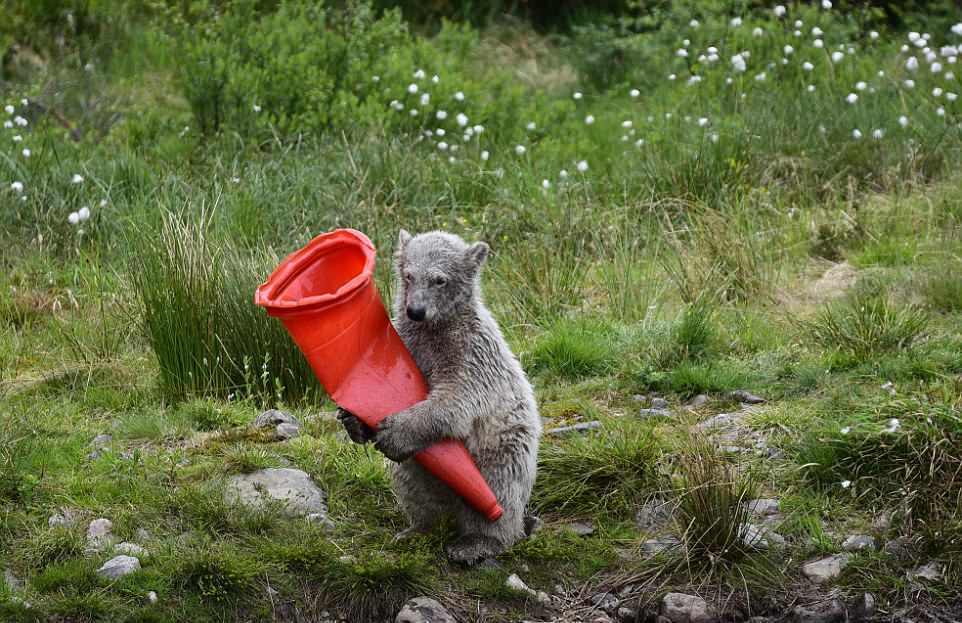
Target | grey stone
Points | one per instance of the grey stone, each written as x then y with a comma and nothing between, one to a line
639,398
830,611
646,413
424,610
697,402
583,427
931,571
763,506
654,514
581,528
627,615
65,517
858,542
101,441
865,606
99,533
760,537
11,580
682,608
131,549
118,567
141,534
722,420
516,583
605,601
292,487
601,617
661,544
274,417
825,569
882,522
659,403
902,548
746,397
288,431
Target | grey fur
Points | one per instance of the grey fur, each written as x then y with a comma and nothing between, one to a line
478,394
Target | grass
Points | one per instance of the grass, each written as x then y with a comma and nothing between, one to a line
673,257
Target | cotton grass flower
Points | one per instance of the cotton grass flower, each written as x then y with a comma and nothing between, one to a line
935,68
531,126
951,96
634,93
419,74
735,22
73,218
878,134
846,484
826,4
8,124
693,23
818,43
837,57
590,119
807,66
810,88
26,152
738,63
478,129
443,146
77,179
577,95
425,99
545,184
441,115
9,109
893,425
435,79
860,86
758,32
485,155
582,166
459,96
909,84
779,10
846,430
940,111
563,174
817,32
20,121
462,119
856,134
412,88
851,98
904,121
957,29
17,138
873,35
702,122
17,187
789,50
84,213
936,92
681,53
626,124
912,63
519,149
760,77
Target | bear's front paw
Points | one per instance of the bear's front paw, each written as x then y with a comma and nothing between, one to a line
358,431
392,440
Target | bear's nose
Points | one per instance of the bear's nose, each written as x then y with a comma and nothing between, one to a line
416,313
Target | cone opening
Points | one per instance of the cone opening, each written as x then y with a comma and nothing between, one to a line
330,269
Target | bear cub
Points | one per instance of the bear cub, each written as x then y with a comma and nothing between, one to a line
478,394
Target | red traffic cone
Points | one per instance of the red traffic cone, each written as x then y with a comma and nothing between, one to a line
326,298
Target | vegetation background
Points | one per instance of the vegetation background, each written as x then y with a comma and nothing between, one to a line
685,200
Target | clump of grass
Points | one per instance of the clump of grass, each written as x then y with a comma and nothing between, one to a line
573,349
370,586
207,415
867,322
942,289
245,458
41,547
599,473
690,378
903,451
217,574
712,502
195,294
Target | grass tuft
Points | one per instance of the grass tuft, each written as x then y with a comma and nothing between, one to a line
573,349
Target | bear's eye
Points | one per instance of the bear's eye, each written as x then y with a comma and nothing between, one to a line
440,281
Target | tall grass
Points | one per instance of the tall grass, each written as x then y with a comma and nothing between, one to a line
196,295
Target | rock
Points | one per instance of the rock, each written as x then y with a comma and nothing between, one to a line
424,610
763,506
858,542
516,583
605,601
583,427
141,534
829,611
66,517
658,545
639,398
745,397
131,549
931,571
601,617
152,597
722,420
273,417
581,528
320,518
682,608
654,515
99,533
646,413
864,606
532,525
825,569
882,522
659,403
627,615
288,431
12,581
697,402
760,537
902,548
292,487
118,567
101,441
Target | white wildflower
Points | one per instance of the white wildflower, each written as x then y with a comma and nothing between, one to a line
459,96
8,124
577,95
760,77
419,74
20,121
904,121
84,213
837,57
519,149
702,122
412,88
893,426
414,112
73,218
818,43
485,155
936,92
940,111
256,107
375,78
951,96
851,98
531,126
443,146
26,152
816,31
779,10
909,84
425,99
735,22
758,32
856,134
9,109
17,138
826,4
846,484
545,184
17,187
435,79
441,115
878,133
810,88
77,179
846,430
807,66
681,53
936,68
713,137
563,174
912,63
439,132
873,35
634,93
626,124
957,29
478,129
789,50
462,119
860,85
693,23
590,119
582,165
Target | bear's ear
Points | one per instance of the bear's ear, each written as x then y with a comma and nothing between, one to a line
403,237
477,253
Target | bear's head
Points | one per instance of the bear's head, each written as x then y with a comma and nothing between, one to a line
438,276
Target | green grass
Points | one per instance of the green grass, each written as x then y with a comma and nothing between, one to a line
681,258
